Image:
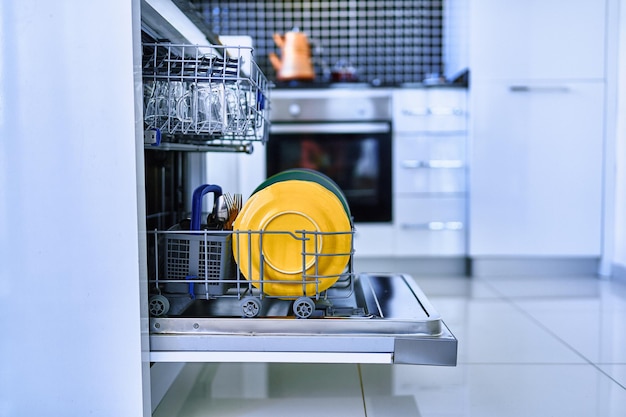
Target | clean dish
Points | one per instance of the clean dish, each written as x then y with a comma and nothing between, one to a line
280,232
305,174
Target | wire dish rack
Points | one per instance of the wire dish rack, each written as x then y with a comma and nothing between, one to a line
203,97
200,265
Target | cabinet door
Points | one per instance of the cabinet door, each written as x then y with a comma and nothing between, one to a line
433,109
536,169
430,226
537,39
373,240
429,163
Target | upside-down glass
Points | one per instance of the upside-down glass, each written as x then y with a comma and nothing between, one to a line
200,108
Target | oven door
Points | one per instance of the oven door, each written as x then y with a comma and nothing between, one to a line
357,156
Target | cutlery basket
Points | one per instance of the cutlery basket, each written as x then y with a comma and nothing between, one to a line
196,256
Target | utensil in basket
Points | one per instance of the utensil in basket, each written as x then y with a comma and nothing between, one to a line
196,202
234,204
219,215
203,258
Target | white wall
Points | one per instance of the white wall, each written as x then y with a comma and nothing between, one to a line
456,48
69,293
619,249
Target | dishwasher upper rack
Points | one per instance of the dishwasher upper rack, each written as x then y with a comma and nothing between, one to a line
187,265
203,97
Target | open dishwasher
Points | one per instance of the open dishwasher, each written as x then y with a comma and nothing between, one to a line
210,295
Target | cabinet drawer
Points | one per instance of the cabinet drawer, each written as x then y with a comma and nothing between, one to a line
372,240
416,212
442,147
430,110
429,176
430,226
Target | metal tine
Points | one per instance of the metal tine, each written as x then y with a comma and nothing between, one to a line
228,199
238,202
232,210
236,208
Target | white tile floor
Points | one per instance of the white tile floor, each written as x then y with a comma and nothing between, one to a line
549,346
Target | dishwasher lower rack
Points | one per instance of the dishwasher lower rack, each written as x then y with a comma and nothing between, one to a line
362,318
187,266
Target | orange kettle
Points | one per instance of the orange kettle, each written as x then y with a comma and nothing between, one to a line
295,62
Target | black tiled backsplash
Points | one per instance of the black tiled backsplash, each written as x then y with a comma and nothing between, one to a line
389,42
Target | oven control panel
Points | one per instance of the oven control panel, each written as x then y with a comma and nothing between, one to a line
328,105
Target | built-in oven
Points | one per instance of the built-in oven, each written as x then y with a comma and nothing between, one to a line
344,133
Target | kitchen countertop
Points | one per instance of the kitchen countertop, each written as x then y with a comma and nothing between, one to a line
359,85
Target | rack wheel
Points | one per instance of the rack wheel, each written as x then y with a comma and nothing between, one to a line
303,307
250,307
158,305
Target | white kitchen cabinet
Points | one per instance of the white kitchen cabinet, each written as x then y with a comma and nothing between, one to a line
429,171
535,39
373,239
418,175
537,96
429,226
536,176
432,110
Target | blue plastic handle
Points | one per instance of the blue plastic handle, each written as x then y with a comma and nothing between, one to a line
196,202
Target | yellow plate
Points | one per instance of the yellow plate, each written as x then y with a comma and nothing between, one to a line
305,174
273,219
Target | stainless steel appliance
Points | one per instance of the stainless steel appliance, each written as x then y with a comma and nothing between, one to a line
395,324
203,305
344,133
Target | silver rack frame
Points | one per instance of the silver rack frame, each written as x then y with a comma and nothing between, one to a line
209,98
365,317
202,265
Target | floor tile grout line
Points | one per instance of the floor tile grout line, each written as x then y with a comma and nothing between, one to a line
549,331
358,367
527,363
533,319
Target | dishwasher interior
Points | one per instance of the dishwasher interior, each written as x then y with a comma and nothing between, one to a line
211,297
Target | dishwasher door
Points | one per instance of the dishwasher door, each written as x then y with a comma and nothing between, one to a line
396,325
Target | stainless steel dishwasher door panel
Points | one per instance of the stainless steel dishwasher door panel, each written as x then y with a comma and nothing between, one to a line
399,326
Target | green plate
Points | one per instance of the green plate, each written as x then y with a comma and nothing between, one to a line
304,174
